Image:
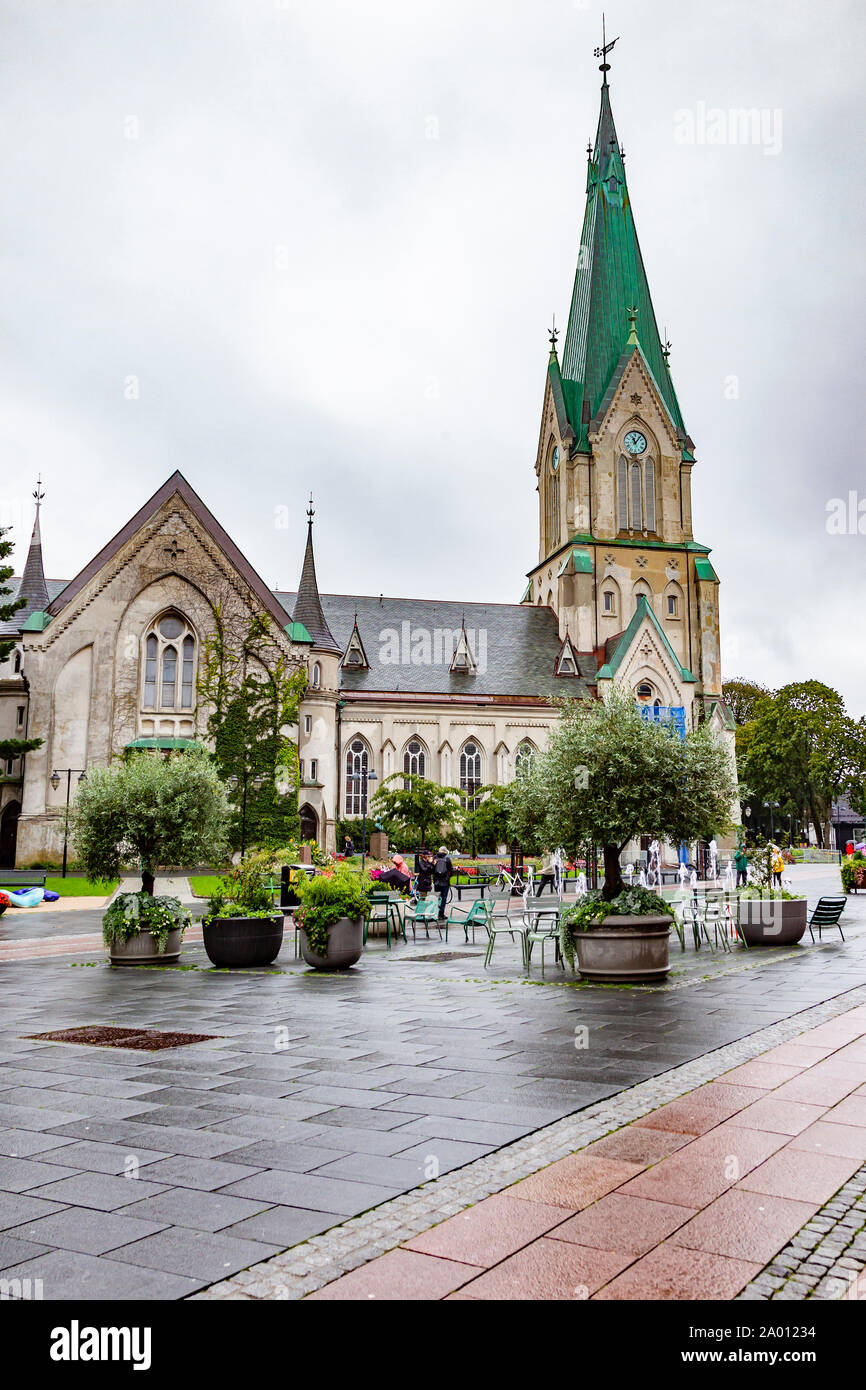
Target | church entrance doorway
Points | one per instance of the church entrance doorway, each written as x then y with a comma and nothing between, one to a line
9,834
309,824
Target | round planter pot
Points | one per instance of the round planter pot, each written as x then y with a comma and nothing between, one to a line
624,949
143,949
772,921
243,940
345,945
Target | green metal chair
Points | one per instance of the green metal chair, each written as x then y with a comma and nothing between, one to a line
826,914
476,915
543,925
380,911
398,913
676,901
500,922
426,914
716,917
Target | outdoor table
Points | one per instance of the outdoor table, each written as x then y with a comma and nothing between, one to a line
480,887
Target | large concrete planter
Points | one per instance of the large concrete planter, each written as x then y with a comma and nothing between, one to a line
143,949
624,950
243,941
345,944
772,921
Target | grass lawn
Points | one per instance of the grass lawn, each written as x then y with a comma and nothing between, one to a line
80,887
203,885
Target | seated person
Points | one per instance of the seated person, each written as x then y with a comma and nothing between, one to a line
398,876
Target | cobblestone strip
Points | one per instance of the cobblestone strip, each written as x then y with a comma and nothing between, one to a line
307,1267
825,1260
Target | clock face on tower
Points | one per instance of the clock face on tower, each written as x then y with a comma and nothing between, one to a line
555,460
635,442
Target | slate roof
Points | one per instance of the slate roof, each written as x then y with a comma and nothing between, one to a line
515,647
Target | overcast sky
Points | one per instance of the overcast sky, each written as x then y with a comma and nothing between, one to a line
295,244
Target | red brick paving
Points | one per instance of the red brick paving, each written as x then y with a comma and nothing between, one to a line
401,1275
575,1181
689,1202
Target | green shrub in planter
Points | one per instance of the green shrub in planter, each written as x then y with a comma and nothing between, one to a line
593,908
132,913
325,899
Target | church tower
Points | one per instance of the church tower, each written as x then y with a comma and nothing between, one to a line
614,457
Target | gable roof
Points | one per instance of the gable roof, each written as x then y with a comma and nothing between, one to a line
616,647
176,485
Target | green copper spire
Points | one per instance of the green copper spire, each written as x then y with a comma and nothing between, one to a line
611,308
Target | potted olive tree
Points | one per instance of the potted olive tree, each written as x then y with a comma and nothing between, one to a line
157,812
334,906
607,776
242,927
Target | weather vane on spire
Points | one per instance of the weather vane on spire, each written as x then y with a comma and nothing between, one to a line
602,52
39,494
310,510
553,332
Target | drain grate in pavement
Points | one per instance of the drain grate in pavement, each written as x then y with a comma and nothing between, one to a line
436,957
137,1039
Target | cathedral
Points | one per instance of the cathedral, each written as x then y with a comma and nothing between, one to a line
621,594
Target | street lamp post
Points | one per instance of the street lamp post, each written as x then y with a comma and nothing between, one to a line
55,782
366,777
771,805
233,783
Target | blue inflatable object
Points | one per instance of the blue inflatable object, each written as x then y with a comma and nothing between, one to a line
50,896
25,897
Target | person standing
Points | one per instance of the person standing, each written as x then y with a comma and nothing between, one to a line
548,873
424,875
443,872
778,864
348,847
741,864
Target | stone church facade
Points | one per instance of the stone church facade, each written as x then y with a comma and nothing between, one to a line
621,595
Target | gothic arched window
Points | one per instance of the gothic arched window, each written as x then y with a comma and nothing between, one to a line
635,494
523,758
414,759
357,765
316,676
170,664
470,769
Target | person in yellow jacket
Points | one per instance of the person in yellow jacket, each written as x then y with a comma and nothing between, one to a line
778,864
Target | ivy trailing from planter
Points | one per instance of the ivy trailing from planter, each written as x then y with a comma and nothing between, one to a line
133,913
254,692
593,908
325,899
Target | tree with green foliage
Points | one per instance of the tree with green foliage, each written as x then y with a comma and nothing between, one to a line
485,824
254,694
608,775
413,806
159,811
802,750
744,698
